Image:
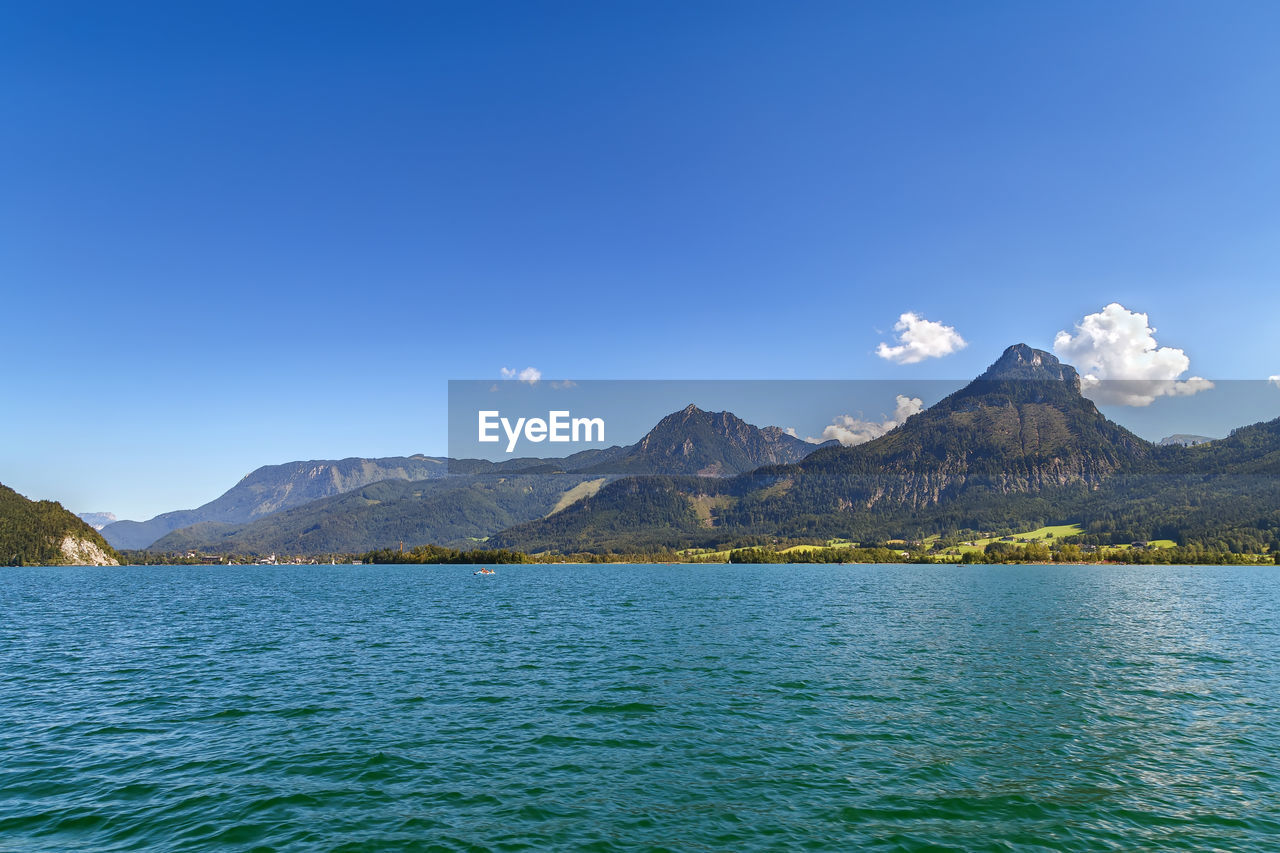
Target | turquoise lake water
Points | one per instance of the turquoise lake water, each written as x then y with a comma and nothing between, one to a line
639,708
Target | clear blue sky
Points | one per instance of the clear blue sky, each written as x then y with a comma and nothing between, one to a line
236,234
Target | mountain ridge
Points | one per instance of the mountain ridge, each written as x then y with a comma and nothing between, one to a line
271,488
688,442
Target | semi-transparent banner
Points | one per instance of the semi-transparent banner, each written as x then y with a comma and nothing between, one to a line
510,419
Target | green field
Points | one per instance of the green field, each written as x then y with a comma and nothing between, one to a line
830,543
722,556
1045,535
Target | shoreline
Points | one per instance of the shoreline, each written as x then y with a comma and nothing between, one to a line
1263,562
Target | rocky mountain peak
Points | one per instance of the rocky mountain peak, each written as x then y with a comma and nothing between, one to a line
1021,362
714,444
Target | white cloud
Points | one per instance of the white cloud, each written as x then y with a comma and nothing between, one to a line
849,430
1120,362
919,339
1274,380
529,374
563,384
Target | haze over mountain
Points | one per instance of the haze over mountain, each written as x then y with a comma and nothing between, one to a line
272,488
98,520
455,511
1185,440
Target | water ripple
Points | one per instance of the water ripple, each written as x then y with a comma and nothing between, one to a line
639,708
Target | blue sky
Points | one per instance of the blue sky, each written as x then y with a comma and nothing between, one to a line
240,234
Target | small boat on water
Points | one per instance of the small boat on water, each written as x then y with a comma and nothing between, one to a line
483,572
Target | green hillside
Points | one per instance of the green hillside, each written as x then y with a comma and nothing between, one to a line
32,533
455,511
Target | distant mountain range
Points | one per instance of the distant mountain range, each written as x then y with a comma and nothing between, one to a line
359,504
98,520
1184,440
1016,448
455,511
273,488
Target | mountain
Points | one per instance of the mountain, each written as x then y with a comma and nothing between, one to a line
1022,426
43,533
98,520
276,487
1017,433
692,442
1184,440
478,498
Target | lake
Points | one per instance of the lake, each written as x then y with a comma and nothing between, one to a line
623,707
